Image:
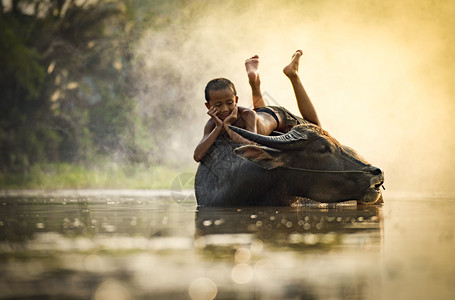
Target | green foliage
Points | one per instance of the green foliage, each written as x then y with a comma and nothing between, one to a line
103,174
65,84
19,62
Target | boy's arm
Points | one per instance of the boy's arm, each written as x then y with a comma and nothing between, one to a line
211,132
213,129
249,118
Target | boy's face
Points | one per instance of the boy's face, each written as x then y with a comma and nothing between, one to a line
224,102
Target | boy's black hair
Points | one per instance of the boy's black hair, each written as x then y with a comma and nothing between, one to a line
218,84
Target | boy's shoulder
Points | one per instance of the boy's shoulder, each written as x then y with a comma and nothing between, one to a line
246,110
246,113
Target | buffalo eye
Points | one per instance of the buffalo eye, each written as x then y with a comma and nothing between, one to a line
323,149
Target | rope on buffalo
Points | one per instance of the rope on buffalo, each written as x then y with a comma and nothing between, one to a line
326,171
329,171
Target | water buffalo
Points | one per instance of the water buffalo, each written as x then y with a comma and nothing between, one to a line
305,162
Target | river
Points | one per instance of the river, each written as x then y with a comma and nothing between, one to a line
110,244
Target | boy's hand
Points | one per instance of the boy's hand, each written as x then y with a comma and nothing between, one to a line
232,116
213,113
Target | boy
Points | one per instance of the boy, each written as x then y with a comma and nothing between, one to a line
222,99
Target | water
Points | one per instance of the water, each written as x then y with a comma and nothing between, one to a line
157,245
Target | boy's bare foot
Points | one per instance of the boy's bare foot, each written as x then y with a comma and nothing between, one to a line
252,66
292,69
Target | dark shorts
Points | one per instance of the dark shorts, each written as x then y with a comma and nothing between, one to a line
284,118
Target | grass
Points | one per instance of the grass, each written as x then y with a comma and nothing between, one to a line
102,176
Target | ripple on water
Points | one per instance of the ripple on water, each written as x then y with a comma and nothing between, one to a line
142,246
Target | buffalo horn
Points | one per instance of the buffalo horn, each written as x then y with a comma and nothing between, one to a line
284,141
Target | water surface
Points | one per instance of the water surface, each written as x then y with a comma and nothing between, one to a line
159,245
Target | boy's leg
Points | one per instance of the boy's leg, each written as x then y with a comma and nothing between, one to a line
252,66
306,108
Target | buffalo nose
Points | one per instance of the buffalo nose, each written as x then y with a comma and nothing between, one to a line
375,171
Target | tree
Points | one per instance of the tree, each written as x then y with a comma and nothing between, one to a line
65,82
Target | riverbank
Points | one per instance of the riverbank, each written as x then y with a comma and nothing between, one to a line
102,176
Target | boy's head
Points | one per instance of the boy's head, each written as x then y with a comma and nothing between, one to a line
219,84
220,94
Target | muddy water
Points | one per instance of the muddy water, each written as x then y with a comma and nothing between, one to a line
158,245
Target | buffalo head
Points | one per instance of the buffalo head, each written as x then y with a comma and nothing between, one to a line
319,167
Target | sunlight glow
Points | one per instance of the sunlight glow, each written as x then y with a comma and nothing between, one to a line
379,74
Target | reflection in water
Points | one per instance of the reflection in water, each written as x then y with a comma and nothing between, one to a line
295,251
289,227
118,247
151,247
86,247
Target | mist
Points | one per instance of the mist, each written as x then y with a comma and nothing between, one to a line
380,75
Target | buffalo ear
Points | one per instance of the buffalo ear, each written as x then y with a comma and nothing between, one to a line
265,157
